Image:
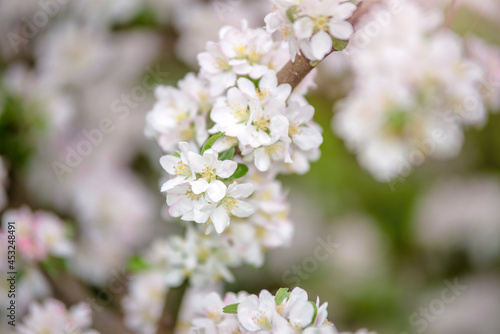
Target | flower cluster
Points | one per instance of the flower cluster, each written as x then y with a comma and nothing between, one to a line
53,317
311,26
39,234
232,117
285,312
400,111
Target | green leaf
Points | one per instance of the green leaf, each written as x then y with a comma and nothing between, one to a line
54,265
176,154
210,141
227,155
281,295
290,13
136,264
314,63
339,45
240,171
231,309
315,313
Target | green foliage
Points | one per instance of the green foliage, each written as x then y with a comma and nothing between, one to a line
231,309
136,264
18,125
211,141
227,155
281,295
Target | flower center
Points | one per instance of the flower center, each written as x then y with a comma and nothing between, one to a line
192,196
230,204
222,64
262,94
182,169
321,22
294,129
274,150
262,123
208,173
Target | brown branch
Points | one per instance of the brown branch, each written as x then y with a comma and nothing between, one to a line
171,307
71,291
294,72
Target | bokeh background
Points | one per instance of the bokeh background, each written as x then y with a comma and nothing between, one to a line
398,244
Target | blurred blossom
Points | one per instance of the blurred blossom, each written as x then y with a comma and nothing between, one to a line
461,213
144,304
200,21
110,203
488,56
52,317
38,234
362,252
401,112
474,311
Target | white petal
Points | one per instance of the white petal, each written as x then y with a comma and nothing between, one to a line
301,314
345,10
308,139
168,162
196,161
247,87
303,28
262,160
237,191
341,29
220,219
199,186
216,191
226,168
243,209
321,44
170,184
269,81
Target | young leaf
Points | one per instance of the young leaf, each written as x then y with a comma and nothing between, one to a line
281,295
210,141
136,264
231,309
290,13
227,155
240,171
315,312
339,45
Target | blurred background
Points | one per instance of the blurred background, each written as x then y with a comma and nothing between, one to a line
392,248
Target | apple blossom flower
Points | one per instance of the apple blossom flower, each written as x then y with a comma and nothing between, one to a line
144,303
310,25
179,114
39,234
401,112
210,171
178,166
231,205
251,313
239,52
53,317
